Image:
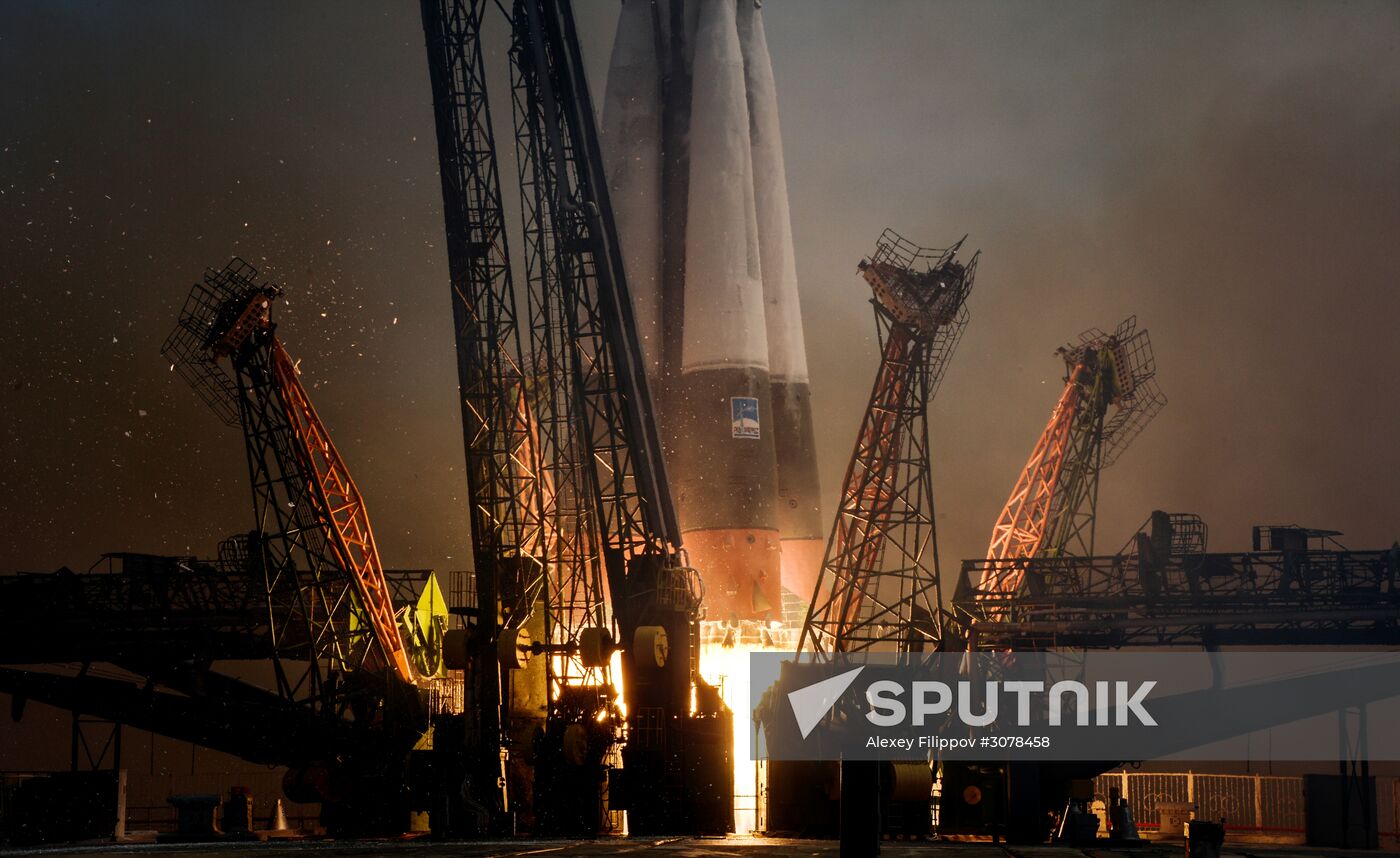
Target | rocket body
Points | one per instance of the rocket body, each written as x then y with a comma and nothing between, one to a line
632,161
799,510
725,463
696,174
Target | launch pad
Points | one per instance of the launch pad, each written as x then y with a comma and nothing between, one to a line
679,847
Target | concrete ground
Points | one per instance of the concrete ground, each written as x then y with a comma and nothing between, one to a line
685,847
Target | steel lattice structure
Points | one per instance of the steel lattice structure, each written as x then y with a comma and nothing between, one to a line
573,561
596,507
1051,509
171,625
611,500
1166,589
503,493
879,583
501,463
327,600
591,396
337,697
129,608
636,515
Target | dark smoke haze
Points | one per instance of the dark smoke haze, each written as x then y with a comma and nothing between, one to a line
1228,172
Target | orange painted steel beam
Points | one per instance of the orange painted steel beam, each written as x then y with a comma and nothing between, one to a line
1020,529
886,497
876,450
343,510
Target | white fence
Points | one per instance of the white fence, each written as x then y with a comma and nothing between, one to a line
1267,806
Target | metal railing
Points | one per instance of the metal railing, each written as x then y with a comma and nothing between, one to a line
1269,805
1266,806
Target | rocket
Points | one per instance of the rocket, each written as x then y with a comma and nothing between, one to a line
799,511
695,168
631,140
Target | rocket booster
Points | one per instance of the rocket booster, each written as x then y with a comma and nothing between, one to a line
726,470
631,137
695,167
799,510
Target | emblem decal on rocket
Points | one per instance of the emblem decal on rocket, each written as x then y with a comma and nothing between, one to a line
743,417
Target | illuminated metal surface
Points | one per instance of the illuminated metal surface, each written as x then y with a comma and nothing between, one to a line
879,583
1051,509
324,583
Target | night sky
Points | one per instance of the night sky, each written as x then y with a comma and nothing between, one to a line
1228,172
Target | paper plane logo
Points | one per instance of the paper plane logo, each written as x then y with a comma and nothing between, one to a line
810,704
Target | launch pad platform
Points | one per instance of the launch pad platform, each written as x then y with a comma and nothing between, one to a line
679,847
